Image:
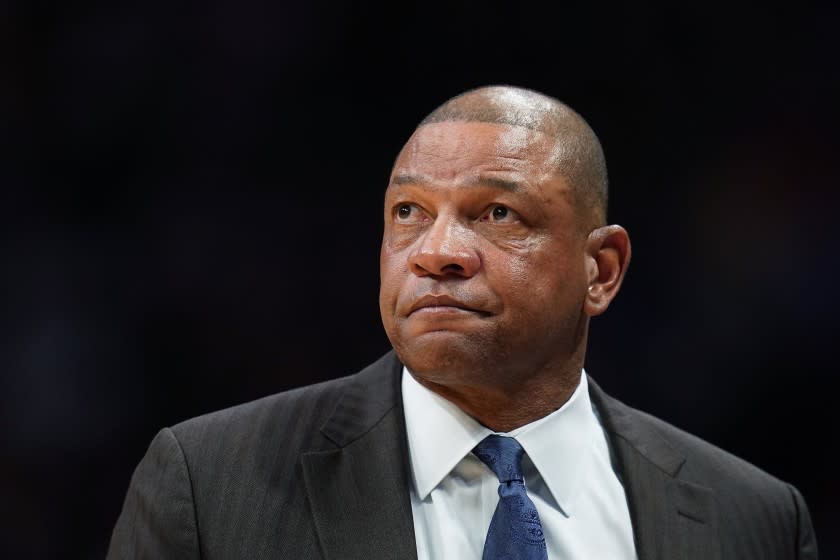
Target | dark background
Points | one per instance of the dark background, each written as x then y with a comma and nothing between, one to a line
191,212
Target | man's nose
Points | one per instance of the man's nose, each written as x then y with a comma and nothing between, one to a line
446,248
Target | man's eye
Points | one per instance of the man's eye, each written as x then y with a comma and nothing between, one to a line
408,212
499,213
404,211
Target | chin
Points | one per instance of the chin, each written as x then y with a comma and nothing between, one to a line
441,356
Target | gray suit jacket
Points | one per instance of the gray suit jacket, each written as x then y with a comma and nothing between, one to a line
323,472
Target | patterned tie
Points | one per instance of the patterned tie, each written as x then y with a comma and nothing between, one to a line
515,531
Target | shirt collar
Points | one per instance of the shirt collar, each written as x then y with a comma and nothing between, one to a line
440,435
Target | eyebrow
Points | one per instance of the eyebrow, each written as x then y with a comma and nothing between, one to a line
477,181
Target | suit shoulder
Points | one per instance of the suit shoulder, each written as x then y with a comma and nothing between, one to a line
673,449
291,420
706,461
301,411
754,508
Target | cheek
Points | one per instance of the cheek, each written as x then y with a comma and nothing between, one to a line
527,269
522,271
391,275
540,279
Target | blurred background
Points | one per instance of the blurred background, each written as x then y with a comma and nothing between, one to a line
190,217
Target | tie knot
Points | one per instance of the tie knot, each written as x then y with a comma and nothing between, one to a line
503,455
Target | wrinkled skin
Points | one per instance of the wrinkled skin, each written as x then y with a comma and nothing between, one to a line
486,269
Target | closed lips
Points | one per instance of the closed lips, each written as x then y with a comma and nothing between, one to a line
440,301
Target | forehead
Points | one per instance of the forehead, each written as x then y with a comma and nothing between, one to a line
448,151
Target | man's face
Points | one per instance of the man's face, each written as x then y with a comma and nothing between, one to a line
482,261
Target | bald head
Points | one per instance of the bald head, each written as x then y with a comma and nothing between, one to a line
578,153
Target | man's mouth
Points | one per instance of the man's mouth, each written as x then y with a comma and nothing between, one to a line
441,303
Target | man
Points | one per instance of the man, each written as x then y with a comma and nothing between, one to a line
480,435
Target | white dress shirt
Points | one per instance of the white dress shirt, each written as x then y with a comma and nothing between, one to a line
567,469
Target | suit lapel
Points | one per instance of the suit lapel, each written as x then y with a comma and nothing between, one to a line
359,492
672,518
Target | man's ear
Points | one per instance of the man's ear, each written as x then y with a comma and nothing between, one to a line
607,258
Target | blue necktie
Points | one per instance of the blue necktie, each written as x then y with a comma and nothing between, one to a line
515,531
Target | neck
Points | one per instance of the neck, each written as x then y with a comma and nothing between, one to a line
505,408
